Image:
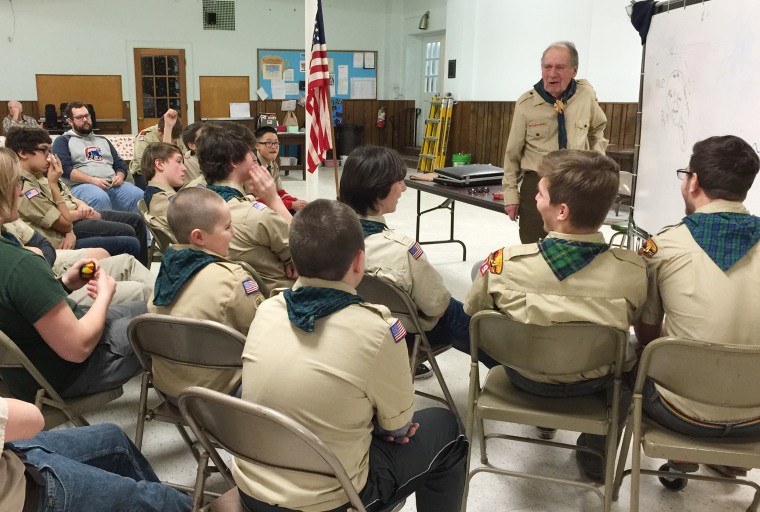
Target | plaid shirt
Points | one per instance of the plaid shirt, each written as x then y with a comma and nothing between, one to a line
726,237
566,257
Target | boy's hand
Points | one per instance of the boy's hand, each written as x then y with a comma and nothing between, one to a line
55,170
405,438
261,184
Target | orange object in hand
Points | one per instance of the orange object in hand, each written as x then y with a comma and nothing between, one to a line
87,271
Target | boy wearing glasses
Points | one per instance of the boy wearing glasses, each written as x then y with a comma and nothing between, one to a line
268,149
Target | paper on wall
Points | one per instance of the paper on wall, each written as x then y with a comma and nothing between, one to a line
358,60
240,110
288,75
261,93
278,90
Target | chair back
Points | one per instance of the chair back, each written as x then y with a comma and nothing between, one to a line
379,290
260,435
162,238
93,117
709,373
186,340
11,356
51,116
574,347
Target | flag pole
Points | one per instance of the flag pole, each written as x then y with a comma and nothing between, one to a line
334,148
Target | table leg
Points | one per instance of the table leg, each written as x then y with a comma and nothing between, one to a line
448,204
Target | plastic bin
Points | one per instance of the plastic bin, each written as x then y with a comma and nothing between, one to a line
461,159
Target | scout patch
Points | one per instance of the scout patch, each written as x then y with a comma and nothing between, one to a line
259,206
649,249
484,268
250,287
495,261
32,192
415,250
398,331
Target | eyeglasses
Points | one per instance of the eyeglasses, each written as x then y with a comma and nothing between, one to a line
44,151
274,144
683,173
82,117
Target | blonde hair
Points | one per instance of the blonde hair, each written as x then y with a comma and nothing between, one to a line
9,175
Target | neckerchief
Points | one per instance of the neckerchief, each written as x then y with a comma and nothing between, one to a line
150,190
308,304
566,257
227,193
371,227
726,237
177,267
559,106
5,234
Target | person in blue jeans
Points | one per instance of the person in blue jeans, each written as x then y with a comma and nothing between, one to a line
75,469
371,184
92,167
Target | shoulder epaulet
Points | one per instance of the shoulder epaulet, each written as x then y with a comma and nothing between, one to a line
667,228
629,256
520,250
525,96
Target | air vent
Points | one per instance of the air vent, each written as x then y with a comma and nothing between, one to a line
218,15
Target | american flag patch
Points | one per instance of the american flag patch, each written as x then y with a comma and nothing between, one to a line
398,331
250,286
259,206
415,250
32,192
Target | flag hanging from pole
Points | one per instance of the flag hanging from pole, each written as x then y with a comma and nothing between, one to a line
317,97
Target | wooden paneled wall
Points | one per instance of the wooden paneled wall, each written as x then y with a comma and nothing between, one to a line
29,108
106,128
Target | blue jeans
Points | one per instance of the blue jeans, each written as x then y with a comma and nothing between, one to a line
97,468
123,198
116,224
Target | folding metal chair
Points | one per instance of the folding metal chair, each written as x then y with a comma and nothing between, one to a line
161,238
379,290
258,435
54,408
559,349
709,373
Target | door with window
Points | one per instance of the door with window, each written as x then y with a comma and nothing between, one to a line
160,84
432,78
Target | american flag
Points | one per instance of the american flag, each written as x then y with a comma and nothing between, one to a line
415,250
317,97
397,331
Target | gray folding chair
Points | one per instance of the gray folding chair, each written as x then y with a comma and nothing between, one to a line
378,290
709,373
258,435
54,408
186,342
161,238
559,349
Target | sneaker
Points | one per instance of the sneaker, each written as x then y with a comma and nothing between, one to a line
546,433
591,466
422,372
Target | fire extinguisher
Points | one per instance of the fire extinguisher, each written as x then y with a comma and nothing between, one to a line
381,117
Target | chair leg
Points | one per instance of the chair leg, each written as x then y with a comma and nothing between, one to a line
619,472
200,481
442,383
190,443
636,454
142,410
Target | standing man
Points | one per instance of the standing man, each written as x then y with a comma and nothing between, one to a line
558,113
91,166
703,279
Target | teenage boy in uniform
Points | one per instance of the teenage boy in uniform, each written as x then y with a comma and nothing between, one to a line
164,168
268,150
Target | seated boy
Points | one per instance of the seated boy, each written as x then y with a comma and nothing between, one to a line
196,280
164,168
268,151
192,166
325,358
261,228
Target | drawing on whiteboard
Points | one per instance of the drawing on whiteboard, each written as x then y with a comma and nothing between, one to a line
677,110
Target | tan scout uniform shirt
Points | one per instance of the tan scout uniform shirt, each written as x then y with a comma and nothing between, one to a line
534,132
12,480
215,293
388,256
159,206
701,302
261,238
333,380
200,181
192,168
142,140
608,291
37,206
274,170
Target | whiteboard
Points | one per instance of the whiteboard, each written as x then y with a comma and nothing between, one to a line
701,78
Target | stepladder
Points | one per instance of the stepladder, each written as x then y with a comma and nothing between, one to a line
437,128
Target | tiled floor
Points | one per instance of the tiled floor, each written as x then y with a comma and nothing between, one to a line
483,232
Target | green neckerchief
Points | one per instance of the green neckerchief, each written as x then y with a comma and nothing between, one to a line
226,192
371,227
559,105
726,237
566,257
5,234
308,304
177,267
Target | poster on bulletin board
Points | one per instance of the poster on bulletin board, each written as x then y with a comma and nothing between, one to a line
282,74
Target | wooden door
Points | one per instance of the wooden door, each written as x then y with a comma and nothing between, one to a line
160,80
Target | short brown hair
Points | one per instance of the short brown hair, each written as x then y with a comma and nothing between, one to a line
324,239
586,181
726,167
192,208
9,174
157,151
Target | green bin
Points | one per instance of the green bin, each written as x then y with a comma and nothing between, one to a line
461,159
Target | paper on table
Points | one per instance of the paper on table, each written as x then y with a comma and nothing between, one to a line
261,93
240,110
358,60
288,75
278,90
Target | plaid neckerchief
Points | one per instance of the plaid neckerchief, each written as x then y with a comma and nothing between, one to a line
559,105
227,193
566,257
726,237
308,304
177,267
371,227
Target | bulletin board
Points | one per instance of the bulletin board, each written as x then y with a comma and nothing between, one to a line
282,73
